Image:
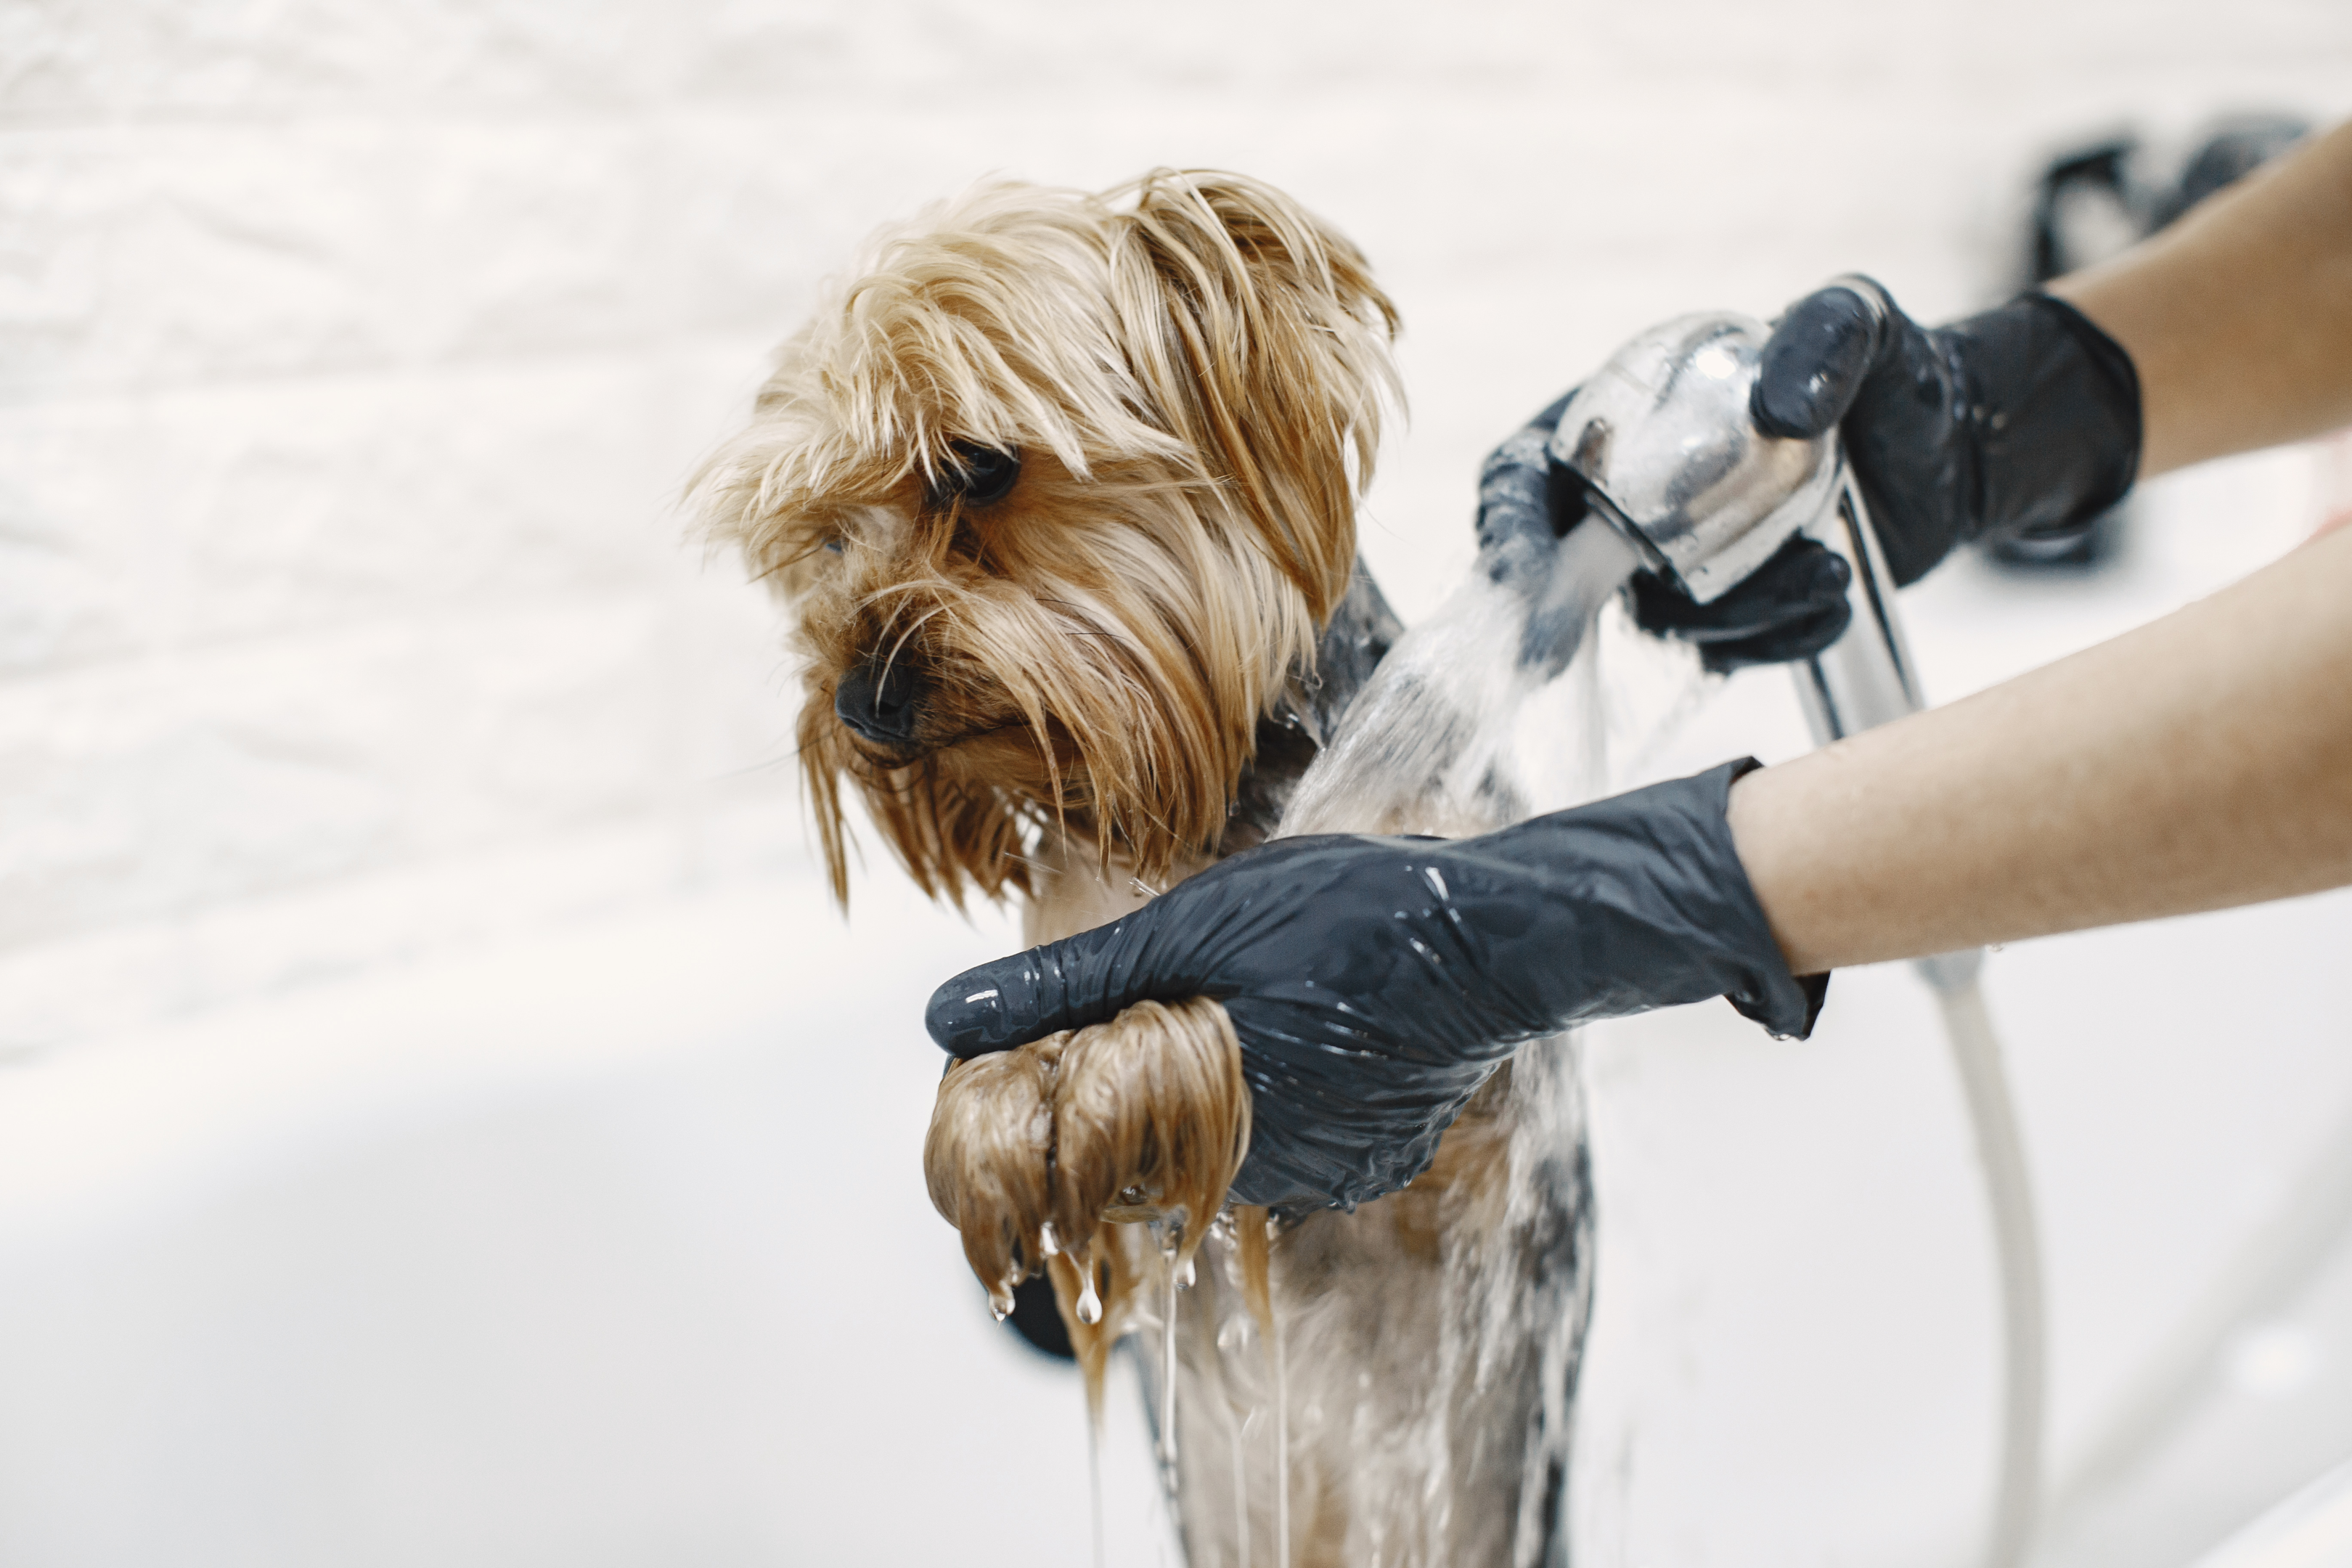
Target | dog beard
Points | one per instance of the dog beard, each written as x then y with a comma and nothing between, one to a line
1095,661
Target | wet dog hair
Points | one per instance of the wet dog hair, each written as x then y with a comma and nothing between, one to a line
1061,488
1047,1157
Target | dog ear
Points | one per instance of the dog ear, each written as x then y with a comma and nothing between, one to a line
1260,334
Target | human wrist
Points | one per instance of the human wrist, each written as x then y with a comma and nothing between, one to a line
2027,416
2054,414
1643,902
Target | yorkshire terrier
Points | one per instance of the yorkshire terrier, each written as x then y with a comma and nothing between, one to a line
1060,492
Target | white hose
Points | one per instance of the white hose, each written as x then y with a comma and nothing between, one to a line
1864,679
2017,1244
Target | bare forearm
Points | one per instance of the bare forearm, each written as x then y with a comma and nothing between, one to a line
2201,762
2239,318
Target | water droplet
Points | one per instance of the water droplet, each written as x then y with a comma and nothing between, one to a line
1047,1242
1000,1301
1089,1304
1184,1276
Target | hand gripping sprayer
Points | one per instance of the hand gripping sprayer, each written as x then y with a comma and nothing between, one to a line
1663,442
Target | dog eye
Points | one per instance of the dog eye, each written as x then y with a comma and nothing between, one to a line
981,474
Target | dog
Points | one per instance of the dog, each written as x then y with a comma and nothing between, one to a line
1059,491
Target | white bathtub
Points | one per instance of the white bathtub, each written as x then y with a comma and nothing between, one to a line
615,1251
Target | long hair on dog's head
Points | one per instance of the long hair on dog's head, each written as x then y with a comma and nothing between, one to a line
1059,489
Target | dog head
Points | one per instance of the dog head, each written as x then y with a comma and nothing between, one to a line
1058,490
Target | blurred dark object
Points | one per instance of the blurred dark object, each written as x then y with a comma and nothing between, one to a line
2084,210
2230,153
1038,1321
2102,198
2095,202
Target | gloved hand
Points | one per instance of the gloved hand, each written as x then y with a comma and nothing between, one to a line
1791,607
2024,417
1375,982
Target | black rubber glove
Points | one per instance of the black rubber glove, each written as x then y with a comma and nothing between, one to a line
2023,417
1375,982
1791,607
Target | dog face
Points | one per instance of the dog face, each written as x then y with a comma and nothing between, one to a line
1058,492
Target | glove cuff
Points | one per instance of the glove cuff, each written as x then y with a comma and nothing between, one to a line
1786,1004
2111,381
1652,908
2055,411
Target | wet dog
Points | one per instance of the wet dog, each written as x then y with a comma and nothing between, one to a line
1060,492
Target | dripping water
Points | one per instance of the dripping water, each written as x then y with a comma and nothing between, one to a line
1433,743
1281,1413
1171,1236
1240,1485
1090,1302
1094,1476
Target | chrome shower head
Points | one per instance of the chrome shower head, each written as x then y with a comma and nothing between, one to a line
1663,440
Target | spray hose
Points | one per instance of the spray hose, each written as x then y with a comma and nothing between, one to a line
1865,679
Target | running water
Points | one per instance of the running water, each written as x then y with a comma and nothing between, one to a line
1281,1410
1172,1236
1093,1479
1528,691
1467,726
1495,709
1240,1485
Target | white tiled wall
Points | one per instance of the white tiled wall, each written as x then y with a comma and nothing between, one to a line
350,355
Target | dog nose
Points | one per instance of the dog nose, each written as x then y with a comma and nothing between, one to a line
880,703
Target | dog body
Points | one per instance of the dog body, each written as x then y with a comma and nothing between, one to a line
1061,493
1429,1341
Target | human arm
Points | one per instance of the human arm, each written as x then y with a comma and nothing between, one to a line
2229,331
1372,984
2239,317
2199,762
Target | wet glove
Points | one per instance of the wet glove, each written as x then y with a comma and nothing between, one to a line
1375,982
2024,417
1791,607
